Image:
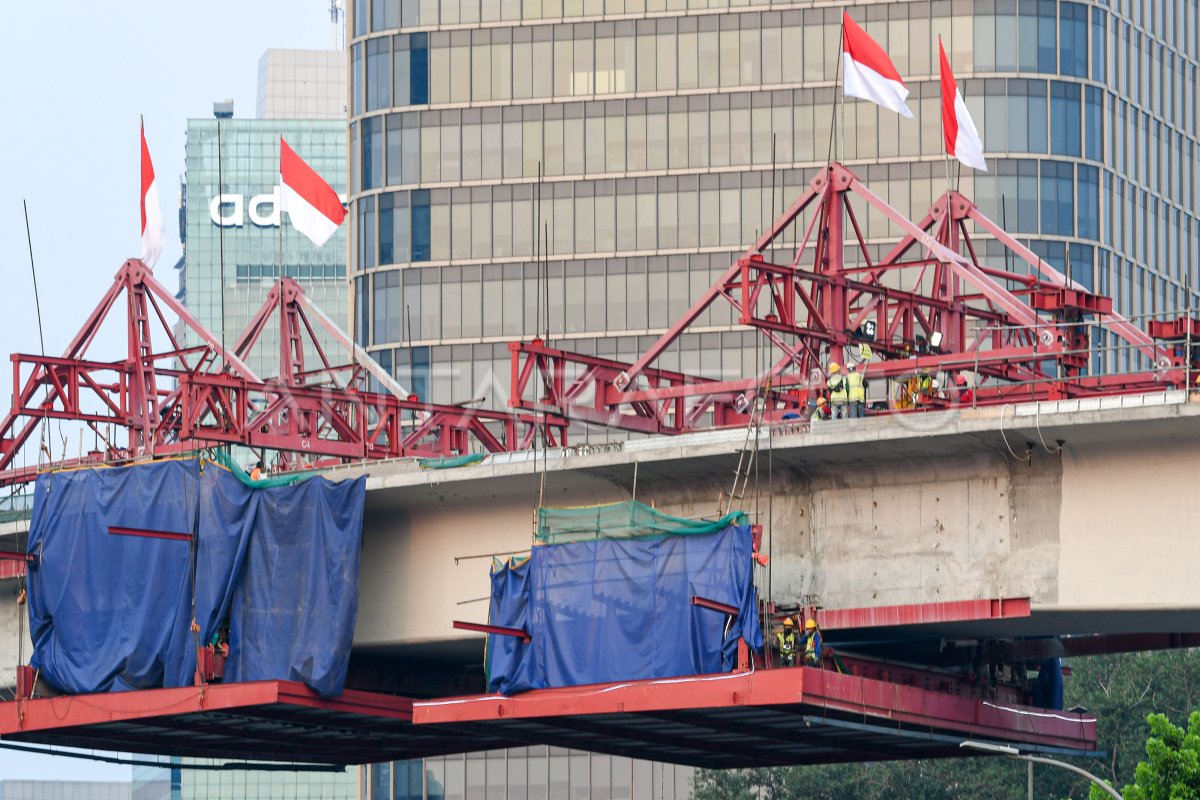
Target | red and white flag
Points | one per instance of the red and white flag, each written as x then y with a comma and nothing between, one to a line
152,218
962,137
869,73
311,203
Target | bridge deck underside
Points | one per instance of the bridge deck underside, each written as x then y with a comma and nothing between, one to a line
777,717
277,721
763,718
769,717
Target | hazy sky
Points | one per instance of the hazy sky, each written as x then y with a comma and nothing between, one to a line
77,73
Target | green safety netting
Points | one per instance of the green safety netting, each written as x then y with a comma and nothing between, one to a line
451,462
225,460
627,520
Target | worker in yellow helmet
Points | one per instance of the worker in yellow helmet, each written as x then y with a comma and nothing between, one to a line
812,643
787,644
836,383
856,391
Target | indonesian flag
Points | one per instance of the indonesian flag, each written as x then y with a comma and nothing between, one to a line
152,218
869,72
962,137
311,203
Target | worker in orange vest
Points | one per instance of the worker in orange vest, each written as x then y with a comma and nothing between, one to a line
257,472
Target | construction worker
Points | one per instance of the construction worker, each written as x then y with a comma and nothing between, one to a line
787,644
837,390
856,393
966,395
257,472
812,643
821,412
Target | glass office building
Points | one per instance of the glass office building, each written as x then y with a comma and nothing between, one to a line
526,773
234,247
655,123
184,782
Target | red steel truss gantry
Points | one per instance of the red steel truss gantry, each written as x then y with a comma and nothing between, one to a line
180,397
929,305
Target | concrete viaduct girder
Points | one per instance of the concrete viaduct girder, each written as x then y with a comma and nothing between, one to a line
941,506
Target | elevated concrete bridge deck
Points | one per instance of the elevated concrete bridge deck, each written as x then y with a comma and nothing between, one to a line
1098,532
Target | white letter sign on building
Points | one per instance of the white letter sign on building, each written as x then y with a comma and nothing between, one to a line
230,210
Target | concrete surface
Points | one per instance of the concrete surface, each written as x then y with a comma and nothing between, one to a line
941,506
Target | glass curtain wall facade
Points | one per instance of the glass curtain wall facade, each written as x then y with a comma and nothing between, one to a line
182,783
526,773
655,122
231,225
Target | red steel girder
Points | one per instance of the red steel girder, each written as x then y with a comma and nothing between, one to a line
832,619
1019,334
798,688
177,399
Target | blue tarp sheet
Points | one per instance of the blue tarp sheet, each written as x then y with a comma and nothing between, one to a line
110,613
291,557
620,609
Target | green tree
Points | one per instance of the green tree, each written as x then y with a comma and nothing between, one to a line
1171,770
1119,689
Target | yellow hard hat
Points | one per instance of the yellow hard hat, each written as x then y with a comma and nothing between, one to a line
787,623
810,624
820,401
834,366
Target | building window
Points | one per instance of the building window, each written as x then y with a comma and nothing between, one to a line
367,238
379,74
1058,198
372,152
420,226
387,311
395,228
385,15
1073,40
418,83
1099,45
1064,119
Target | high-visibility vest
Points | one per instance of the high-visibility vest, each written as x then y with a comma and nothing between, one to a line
837,389
855,382
812,646
787,641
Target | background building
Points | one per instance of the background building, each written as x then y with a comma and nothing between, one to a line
654,123
229,216
64,790
528,773
662,135
228,213
181,783
302,84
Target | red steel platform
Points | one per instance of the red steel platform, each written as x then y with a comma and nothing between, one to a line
263,720
763,718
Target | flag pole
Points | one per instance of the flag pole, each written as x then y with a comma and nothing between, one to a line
277,204
221,233
841,125
830,153
941,103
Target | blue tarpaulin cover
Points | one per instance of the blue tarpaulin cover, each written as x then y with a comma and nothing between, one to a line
609,610
290,554
111,613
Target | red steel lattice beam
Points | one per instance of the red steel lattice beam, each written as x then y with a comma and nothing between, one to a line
177,399
1021,335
